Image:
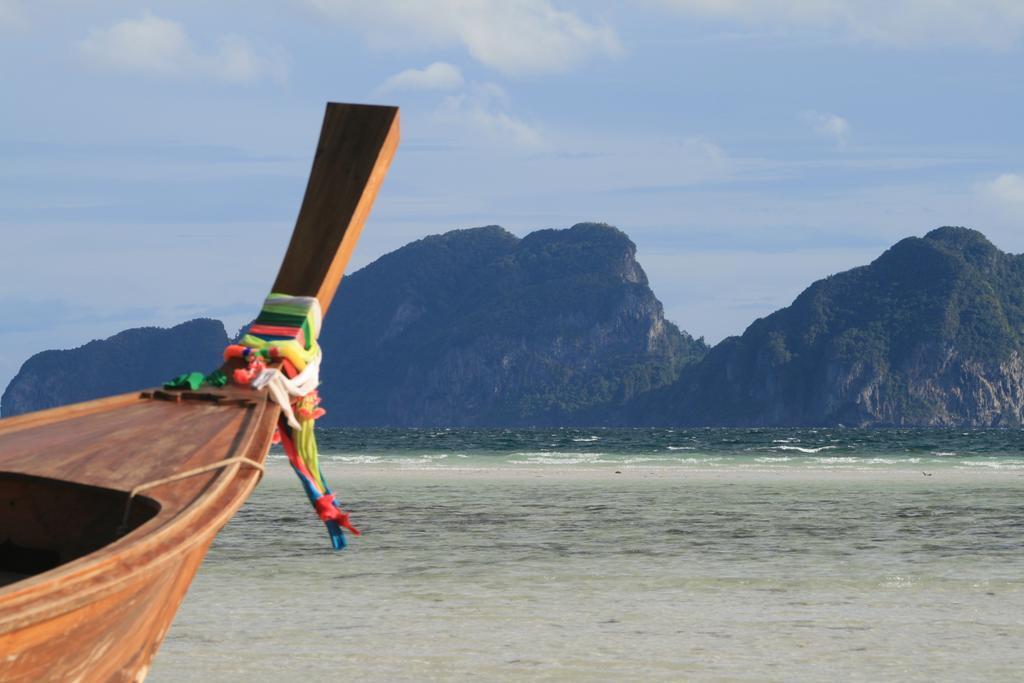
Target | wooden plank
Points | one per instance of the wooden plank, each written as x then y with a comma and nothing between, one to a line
124,447
357,143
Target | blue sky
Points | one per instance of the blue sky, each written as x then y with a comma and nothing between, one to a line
153,155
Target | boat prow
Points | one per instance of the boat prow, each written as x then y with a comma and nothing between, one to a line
109,506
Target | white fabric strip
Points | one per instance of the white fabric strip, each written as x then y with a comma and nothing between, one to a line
282,388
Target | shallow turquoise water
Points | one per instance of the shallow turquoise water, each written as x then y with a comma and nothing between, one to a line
508,565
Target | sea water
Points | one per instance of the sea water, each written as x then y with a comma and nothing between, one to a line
705,555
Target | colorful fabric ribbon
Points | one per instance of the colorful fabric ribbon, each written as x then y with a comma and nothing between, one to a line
287,327
286,330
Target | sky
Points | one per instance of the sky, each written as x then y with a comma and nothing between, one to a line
153,155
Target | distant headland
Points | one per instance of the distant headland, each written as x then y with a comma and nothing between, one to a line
481,328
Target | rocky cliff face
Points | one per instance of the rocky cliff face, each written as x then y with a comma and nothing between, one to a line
130,360
478,327
481,328
474,327
929,334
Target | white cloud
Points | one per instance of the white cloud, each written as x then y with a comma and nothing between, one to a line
512,36
1007,188
831,126
484,109
994,24
156,46
437,76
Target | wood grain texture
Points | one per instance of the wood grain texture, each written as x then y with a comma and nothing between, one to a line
355,150
103,615
100,614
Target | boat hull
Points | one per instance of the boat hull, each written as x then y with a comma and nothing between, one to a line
102,617
113,638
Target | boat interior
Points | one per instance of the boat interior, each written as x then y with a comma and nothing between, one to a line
46,523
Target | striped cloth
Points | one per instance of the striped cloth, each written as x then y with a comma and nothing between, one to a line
287,329
289,324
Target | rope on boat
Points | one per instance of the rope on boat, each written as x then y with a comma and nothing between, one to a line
220,464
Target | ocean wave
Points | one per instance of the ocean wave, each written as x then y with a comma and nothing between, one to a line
639,460
553,454
561,459
587,439
356,459
891,461
819,449
992,464
681,448
368,459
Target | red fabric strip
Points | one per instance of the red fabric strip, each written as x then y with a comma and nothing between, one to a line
293,454
296,333
278,330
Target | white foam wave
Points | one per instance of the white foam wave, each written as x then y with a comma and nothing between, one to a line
561,459
367,459
891,461
356,459
554,454
638,460
992,464
819,449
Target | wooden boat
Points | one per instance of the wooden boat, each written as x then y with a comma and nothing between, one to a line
107,507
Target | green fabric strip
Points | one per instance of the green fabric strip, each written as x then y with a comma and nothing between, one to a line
289,312
284,308
280,320
308,335
216,379
195,380
190,380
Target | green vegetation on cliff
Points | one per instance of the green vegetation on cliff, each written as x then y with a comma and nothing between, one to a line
473,327
130,360
479,327
930,333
